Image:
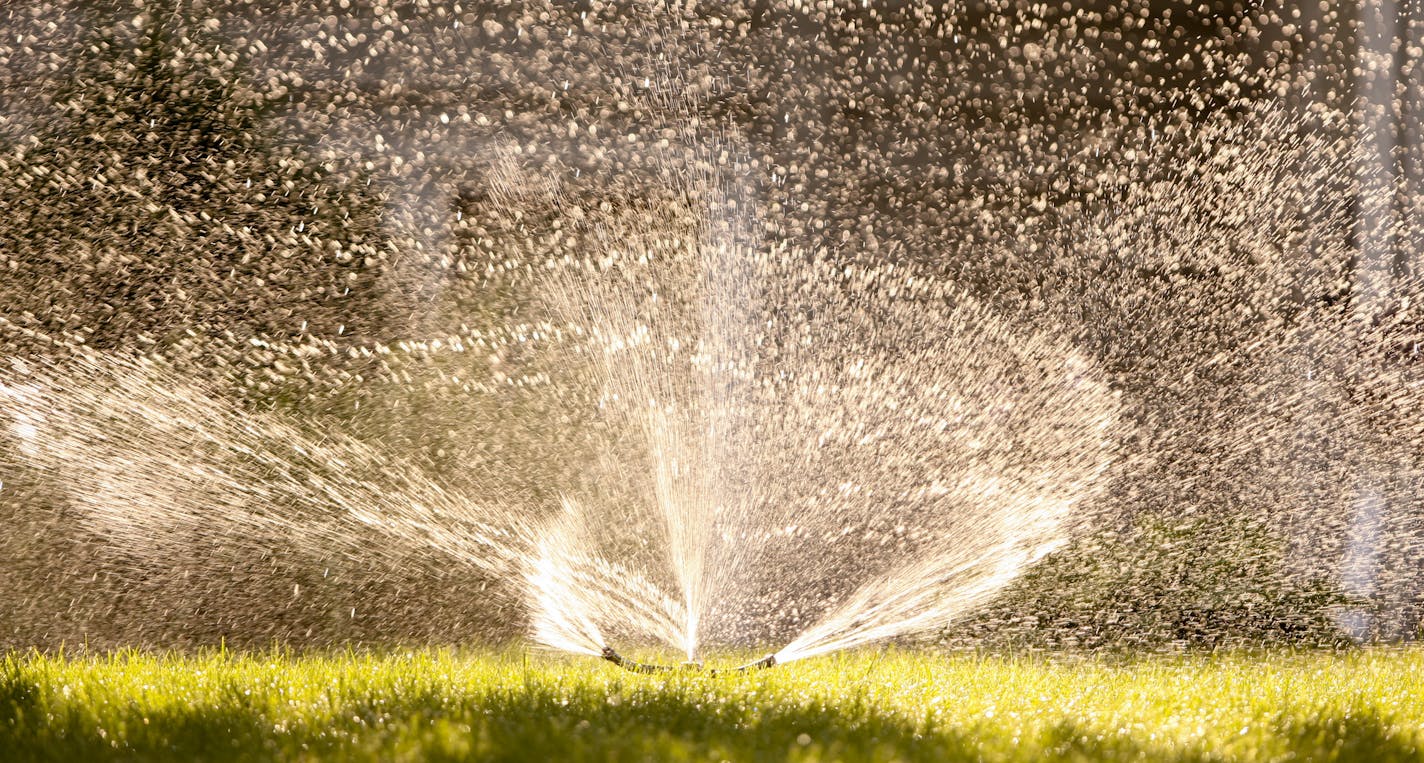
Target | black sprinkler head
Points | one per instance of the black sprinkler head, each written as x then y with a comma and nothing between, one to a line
635,667
768,661
610,654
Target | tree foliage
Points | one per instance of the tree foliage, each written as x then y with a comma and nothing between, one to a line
157,196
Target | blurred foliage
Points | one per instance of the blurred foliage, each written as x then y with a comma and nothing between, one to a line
1161,585
157,197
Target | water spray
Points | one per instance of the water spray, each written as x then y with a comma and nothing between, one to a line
610,654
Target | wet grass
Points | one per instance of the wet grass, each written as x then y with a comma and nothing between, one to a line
872,706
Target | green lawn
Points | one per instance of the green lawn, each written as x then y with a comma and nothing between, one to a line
897,705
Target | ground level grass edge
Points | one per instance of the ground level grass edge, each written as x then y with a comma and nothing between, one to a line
884,705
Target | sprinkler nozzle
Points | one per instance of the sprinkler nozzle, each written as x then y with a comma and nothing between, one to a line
636,667
768,661
612,655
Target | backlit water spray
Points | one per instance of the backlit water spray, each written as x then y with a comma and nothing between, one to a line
866,453
689,327
863,453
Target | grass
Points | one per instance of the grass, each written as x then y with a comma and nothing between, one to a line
872,706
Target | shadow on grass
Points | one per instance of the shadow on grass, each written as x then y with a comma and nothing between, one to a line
34,728
19,699
630,722
1352,738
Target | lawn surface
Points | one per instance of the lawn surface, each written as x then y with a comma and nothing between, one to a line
881,706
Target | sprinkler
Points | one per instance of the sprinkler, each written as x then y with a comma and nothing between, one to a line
610,654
